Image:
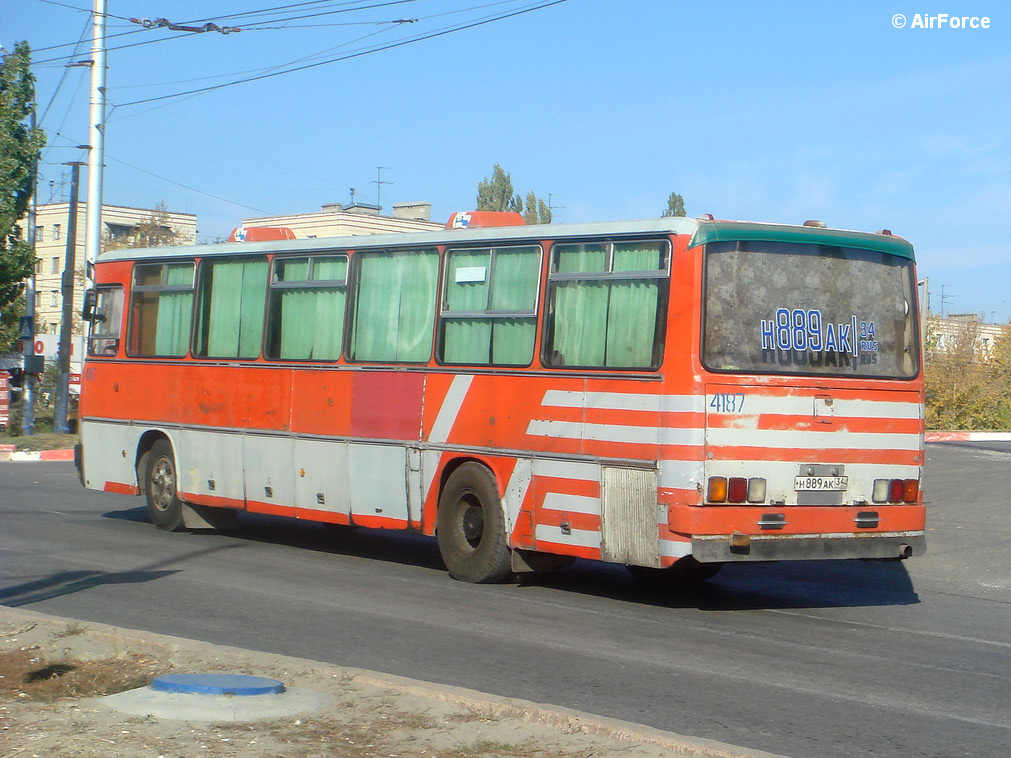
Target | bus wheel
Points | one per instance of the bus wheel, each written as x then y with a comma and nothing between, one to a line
163,503
685,571
471,527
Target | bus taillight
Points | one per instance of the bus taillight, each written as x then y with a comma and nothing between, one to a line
736,489
895,490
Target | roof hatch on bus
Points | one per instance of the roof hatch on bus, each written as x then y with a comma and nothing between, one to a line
481,219
260,234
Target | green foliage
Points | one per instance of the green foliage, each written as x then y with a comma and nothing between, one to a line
675,206
537,211
496,194
9,321
19,148
967,387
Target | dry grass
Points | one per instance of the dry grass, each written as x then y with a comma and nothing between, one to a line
24,675
44,441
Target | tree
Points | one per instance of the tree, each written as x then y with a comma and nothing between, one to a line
496,194
20,146
675,206
967,387
537,211
153,231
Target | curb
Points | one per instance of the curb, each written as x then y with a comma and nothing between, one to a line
8,453
967,436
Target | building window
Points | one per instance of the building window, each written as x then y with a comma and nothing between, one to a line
38,265
54,299
56,231
38,299
40,234
54,265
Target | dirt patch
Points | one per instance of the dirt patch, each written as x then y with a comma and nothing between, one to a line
54,672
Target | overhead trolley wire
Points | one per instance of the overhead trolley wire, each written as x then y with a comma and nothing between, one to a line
358,54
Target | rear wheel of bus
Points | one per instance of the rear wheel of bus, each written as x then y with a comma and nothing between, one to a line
471,527
160,486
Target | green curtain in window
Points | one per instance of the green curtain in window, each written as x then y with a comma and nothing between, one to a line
467,340
580,323
235,323
610,322
586,259
312,319
175,313
517,280
631,322
395,313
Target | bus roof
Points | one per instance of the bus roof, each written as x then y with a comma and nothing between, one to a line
730,231
701,232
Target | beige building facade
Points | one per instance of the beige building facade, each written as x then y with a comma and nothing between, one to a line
52,224
336,220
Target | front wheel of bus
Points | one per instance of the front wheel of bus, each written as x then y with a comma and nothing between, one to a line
471,527
160,480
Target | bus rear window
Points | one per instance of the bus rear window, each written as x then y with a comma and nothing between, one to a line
779,308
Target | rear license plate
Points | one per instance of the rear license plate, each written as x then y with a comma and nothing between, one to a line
820,483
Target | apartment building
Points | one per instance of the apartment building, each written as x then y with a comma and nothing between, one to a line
336,220
120,225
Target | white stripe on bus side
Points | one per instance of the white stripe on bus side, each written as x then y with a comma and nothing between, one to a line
755,403
558,501
810,440
636,435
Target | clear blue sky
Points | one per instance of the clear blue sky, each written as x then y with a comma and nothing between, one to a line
766,111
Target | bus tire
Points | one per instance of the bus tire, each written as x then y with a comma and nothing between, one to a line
471,527
161,488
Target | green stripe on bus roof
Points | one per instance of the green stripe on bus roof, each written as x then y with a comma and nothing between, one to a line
731,231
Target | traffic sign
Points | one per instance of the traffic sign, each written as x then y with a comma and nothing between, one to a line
25,328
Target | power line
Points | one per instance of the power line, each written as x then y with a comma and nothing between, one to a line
188,34
186,186
392,45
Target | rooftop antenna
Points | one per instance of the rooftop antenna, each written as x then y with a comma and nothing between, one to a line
352,196
379,185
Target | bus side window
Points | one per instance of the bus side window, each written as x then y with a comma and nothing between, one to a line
607,305
394,311
233,293
106,321
306,308
489,306
161,309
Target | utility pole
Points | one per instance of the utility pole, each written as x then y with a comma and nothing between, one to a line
28,349
60,425
96,157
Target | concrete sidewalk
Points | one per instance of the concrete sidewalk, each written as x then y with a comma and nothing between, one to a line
326,704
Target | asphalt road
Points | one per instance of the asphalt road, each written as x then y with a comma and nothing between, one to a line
804,659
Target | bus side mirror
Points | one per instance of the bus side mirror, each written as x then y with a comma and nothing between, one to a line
89,313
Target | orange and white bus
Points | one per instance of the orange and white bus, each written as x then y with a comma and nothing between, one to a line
665,394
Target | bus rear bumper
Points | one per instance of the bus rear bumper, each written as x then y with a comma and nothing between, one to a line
801,547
